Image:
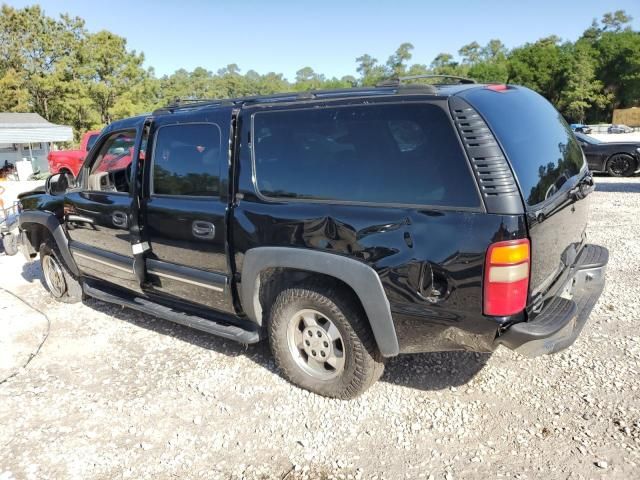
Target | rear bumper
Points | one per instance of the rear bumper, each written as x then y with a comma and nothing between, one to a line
563,316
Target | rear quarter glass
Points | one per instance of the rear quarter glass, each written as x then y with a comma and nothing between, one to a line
538,142
404,154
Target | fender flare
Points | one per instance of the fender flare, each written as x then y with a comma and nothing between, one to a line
51,223
363,279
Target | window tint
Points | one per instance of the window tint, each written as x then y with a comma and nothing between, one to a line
92,141
186,160
109,171
397,154
541,147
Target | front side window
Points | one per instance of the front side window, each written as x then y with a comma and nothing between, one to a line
390,154
92,141
186,160
110,169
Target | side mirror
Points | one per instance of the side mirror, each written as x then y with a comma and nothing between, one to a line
59,183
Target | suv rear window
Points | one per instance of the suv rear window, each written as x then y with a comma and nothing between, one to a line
388,154
538,142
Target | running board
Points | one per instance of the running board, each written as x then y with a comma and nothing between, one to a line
219,328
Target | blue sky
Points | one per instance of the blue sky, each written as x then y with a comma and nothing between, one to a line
327,35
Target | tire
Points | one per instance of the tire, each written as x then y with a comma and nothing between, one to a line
621,165
347,361
56,276
10,244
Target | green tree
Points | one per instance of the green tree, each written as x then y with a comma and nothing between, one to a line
541,66
583,91
614,22
397,63
371,73
444,64
491,64
307,79
114,76
470,53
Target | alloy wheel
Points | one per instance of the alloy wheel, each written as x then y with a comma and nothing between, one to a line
619,164
53,276
316,344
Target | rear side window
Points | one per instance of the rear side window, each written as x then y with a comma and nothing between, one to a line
186,160
538,142
390,154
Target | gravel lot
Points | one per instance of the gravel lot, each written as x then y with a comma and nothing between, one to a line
117,394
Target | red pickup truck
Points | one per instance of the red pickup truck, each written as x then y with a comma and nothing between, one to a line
70,161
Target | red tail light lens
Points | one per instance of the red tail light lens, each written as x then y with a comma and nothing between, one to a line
506,278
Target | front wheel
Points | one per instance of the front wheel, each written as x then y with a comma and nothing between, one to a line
57,278
10,244
322,341
621,165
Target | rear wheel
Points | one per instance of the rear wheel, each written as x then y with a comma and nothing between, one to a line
621,165
57,278
322,341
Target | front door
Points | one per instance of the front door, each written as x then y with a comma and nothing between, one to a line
185,209
97,213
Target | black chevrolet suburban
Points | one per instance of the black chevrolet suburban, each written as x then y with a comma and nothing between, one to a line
345,226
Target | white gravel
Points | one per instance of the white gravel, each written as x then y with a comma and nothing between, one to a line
117,394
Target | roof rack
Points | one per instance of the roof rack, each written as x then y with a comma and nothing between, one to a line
398,82
182,104
386,87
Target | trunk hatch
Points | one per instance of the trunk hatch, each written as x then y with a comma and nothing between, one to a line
551,173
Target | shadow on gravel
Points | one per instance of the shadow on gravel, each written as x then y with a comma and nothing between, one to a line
32,272
618,187
434,371
425,371
259,353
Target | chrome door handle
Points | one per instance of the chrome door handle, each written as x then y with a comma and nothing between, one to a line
119,219
203,230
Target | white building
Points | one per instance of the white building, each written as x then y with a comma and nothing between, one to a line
28,136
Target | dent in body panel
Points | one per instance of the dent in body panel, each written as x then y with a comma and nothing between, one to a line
430,262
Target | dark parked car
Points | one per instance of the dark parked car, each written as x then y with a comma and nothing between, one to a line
621,159
579,127
345,226
619,129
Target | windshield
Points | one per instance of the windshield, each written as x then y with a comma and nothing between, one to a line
586,138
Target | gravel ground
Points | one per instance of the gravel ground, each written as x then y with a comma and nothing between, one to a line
117,394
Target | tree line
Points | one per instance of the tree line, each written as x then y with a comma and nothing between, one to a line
57,68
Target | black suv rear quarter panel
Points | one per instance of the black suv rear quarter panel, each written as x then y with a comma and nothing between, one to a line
404,245
549,167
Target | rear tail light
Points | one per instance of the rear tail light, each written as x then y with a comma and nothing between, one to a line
506,278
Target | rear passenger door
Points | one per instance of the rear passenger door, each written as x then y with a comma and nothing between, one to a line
185,209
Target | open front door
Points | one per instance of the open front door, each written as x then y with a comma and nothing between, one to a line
98,213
